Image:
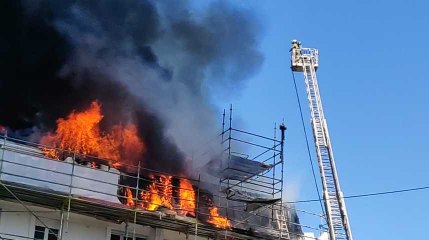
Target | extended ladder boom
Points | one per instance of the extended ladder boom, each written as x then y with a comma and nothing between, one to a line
306,60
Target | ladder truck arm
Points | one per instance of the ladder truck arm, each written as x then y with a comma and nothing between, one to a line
306,60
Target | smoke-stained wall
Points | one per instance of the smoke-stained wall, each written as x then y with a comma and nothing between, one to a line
152,63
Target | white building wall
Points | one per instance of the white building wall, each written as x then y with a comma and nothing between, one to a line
49,174
15,224
86,230
15,220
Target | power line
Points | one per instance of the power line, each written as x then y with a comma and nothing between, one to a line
306,141
371,194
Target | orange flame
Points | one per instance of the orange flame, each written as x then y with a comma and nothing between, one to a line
130,198
186,198
159,193
217,220
80,133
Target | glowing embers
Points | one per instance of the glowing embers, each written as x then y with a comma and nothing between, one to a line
80,133
158,194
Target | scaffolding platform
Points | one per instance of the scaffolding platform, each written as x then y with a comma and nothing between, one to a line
116,213
29,176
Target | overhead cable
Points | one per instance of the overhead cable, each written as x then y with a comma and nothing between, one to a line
371,194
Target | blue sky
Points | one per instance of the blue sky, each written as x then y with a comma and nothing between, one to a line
372,76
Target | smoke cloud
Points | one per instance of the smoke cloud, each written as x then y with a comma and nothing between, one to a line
153,63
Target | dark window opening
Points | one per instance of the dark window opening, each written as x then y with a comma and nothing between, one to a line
39,233
115,237
121,236
53,234
42,233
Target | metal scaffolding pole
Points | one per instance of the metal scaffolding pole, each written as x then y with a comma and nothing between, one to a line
69,197
2,153
136,200
60,234
197,207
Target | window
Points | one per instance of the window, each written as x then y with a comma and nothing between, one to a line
39,233
53,234
115,237
121,236
42,233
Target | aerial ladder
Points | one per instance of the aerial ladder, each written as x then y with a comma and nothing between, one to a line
306,60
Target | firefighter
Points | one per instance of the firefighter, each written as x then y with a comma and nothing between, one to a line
295,45
296,50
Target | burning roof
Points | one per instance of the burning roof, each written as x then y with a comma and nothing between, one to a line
148,66
107,85
80,133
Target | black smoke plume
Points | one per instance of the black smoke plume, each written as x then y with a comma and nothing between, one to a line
149,62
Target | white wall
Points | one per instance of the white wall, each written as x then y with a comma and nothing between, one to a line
15,223
14,219
56,175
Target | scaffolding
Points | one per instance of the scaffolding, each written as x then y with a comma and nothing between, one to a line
249,199
88,185
251,179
